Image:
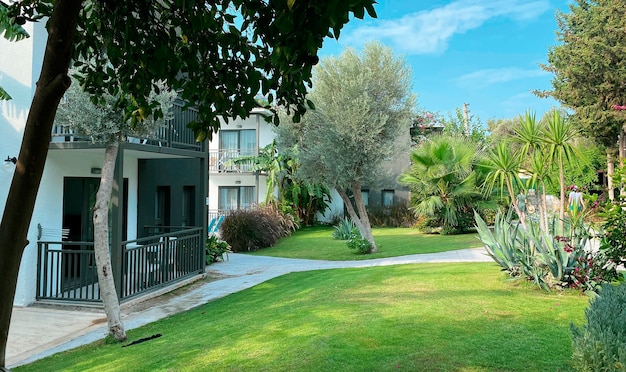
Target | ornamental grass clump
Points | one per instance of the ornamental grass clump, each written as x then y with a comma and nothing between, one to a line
600,345
252,229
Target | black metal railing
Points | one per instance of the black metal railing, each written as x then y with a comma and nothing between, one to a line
174,134
66,270
155,261
238,161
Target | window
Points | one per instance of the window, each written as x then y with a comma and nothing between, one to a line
365,194
188,210
238,140
236,197
235,143
387,197
162,206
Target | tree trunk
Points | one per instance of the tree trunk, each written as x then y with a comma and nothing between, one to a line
610,171
562,211
101,245
621,152
18,211
509,186
544,217
346,201
365,220
362,223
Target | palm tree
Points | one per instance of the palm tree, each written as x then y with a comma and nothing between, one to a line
443,179
503,166
539,168
557,136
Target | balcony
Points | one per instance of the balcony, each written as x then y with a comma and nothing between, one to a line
174,134
232,161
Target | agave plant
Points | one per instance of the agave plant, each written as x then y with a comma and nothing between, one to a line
501,244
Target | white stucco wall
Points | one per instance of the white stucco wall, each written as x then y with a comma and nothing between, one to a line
335,208
20,66
49,206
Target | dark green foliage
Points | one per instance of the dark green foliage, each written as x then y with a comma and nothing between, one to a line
428,225
238,48
465,224
445,180
344,229
359,243
252,229
215,249
396,215
589,66
600,345
613,242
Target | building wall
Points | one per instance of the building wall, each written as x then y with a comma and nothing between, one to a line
175,173
265,135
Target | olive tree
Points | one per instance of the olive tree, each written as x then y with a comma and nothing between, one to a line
105,124
363,108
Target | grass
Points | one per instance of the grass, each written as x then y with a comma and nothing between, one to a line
317,243
426,317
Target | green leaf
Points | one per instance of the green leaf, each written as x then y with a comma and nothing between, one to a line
4,95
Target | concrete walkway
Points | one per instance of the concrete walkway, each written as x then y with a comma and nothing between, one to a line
39,332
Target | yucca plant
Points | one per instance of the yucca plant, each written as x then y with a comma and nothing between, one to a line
345,229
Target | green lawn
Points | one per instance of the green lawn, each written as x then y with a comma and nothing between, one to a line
425,317
317,243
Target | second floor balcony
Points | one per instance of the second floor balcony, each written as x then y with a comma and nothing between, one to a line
232,161
174,134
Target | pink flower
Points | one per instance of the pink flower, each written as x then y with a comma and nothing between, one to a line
619,108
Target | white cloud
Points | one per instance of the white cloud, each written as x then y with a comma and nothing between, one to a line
498,75
429,31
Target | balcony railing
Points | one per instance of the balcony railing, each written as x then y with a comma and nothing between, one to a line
66,270
174,134
237,161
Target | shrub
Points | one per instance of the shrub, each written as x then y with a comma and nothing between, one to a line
344,229
252,229
600,345
613,242
396,215
428,225
362,245
215,249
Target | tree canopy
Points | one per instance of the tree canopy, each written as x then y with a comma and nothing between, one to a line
363,107
589,66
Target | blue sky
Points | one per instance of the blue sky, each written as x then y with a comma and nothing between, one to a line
482,52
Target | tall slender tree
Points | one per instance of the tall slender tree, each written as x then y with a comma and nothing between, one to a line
589,67
105,124
557,136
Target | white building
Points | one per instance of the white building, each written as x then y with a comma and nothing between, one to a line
158,217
